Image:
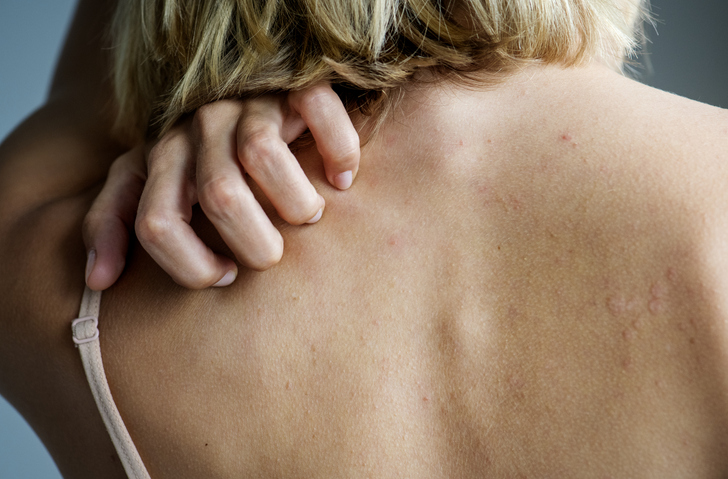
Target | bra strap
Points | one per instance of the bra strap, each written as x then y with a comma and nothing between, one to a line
86,336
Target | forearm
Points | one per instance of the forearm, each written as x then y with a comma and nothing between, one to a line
67,145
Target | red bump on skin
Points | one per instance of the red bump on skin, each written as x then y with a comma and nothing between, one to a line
566,137
616,305
656,306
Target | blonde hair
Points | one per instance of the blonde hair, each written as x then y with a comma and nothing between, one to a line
173,56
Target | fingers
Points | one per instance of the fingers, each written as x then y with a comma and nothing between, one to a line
266,158
224,196
111,217
165,210
336,138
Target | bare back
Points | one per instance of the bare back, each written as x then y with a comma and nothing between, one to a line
528,280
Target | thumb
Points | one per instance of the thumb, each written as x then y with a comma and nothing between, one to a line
111,217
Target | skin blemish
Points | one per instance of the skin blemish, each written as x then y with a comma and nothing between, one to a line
393,240
569,139
656,306
490,141
425,399
288,384
626,364
616,305
461,143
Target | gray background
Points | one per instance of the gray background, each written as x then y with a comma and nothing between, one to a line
689,57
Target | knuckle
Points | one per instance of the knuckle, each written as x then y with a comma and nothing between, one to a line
220,196
153,228
317,98
215,116
259,148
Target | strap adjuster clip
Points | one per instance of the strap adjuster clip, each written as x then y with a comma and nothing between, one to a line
80,320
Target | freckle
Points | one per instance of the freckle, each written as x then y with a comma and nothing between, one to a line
460,142
490,141
313,348
425,398
205,444
692,340
288,384
655,306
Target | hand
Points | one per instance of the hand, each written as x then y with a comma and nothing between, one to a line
202,159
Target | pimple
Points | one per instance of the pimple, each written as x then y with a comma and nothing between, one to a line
568,138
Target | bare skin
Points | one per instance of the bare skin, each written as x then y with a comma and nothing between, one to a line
525,281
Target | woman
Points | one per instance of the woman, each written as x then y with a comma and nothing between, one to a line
526,280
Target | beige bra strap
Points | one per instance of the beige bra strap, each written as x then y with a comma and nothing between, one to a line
86,336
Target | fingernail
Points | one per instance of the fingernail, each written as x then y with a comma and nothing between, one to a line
343,180
317,217
91,259
226,280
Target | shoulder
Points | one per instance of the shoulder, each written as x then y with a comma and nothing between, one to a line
45,191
